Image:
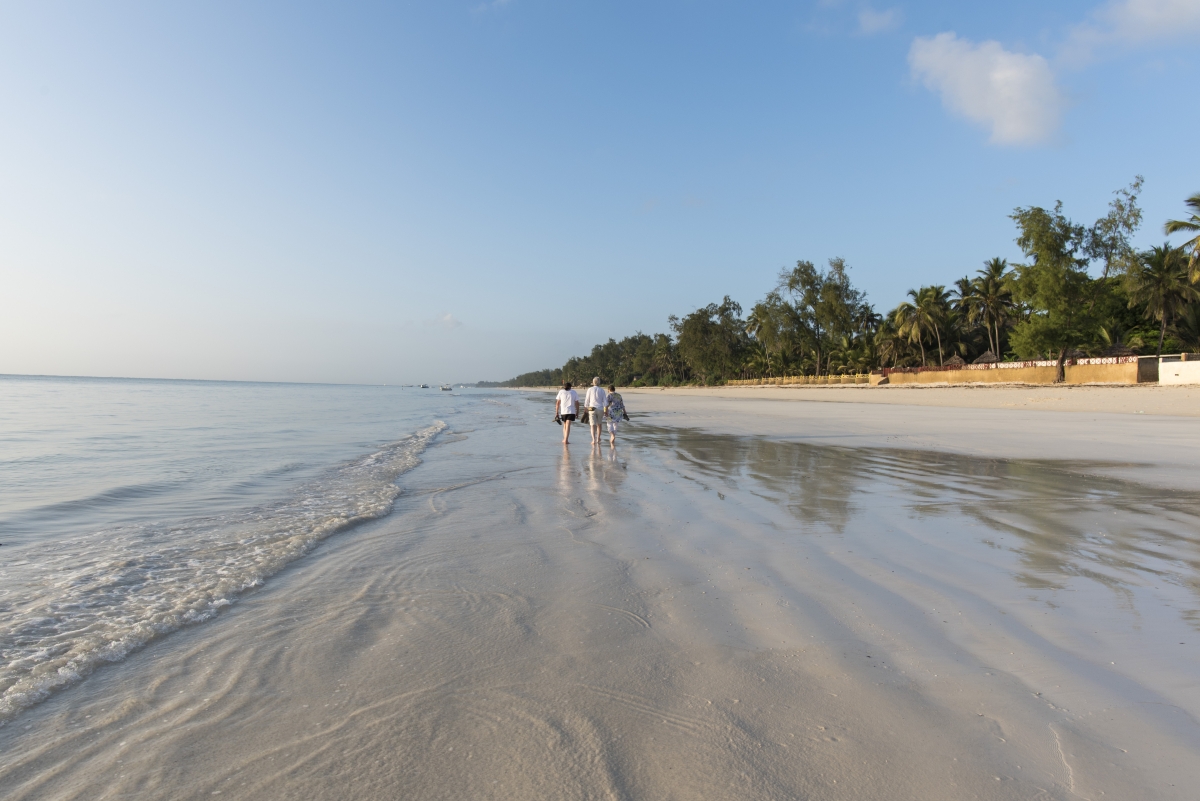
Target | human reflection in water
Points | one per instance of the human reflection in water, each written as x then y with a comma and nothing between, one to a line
603,472
566,473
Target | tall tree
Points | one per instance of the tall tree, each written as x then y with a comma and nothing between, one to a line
1055,285
827,306
925,312
1160,282
777,326
712,339
994,298
1191,225
1108,239
965,312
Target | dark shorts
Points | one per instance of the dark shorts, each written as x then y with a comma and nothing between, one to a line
568,417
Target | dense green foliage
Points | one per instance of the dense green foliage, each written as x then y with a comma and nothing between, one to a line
1082,290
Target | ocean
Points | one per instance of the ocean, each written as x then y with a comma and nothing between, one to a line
132,507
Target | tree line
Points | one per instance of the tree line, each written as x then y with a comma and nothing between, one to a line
1081,290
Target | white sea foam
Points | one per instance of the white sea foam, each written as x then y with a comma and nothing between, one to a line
94,599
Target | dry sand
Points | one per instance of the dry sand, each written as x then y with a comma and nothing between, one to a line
749,599
1171,401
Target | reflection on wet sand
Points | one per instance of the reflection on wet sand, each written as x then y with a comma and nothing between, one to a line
688,616
597,469
1065,521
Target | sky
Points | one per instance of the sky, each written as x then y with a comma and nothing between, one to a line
454,191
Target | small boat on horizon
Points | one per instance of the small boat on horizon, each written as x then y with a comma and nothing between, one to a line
424,386
446,387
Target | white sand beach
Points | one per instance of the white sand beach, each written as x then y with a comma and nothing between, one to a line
858,595
1153,399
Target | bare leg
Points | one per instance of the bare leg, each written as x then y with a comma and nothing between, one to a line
566,432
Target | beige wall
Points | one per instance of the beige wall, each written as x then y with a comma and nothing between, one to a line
1076,374
1179,372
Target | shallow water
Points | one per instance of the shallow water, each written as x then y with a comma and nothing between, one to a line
692,616
132,508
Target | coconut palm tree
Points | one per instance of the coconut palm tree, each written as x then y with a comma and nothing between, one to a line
966,312
758,362
1187,327
993,298
890,344
962,297
926,312
1161,282
1190,225
1116,338
906,319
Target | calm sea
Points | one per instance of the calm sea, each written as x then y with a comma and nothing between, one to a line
129,508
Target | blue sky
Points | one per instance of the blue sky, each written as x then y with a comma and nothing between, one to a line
399,192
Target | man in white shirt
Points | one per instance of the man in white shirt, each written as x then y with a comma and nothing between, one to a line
566,404
595,401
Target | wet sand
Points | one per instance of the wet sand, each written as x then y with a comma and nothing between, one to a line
803,600
1145,433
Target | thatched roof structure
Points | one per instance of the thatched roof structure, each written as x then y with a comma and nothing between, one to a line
1118,350
987,358
954,361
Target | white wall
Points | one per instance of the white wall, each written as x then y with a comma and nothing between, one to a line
1179,372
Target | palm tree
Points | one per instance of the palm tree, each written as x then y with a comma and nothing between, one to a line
760,359
926,312
908,325
1116,337
993,298
1187,327
890,344
1160,281
962,297
1190,225
854,352
758,362
755,322
966,312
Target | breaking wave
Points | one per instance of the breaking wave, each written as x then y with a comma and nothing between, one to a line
94,599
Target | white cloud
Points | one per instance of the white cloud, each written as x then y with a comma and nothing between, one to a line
1132,22
1012,94
871,21
444,320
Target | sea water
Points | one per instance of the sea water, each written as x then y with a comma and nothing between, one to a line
130,508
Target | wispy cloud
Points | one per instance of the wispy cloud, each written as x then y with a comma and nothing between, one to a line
444,320
1125,23
871,21
1014,95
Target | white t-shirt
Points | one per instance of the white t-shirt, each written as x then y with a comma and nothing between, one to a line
567,401
595,398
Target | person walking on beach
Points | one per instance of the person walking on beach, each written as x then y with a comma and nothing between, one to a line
614,413
566,405
595,401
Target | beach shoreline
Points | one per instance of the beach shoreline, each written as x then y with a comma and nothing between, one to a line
1151,399
749,598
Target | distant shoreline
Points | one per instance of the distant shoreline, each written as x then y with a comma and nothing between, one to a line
1148,399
